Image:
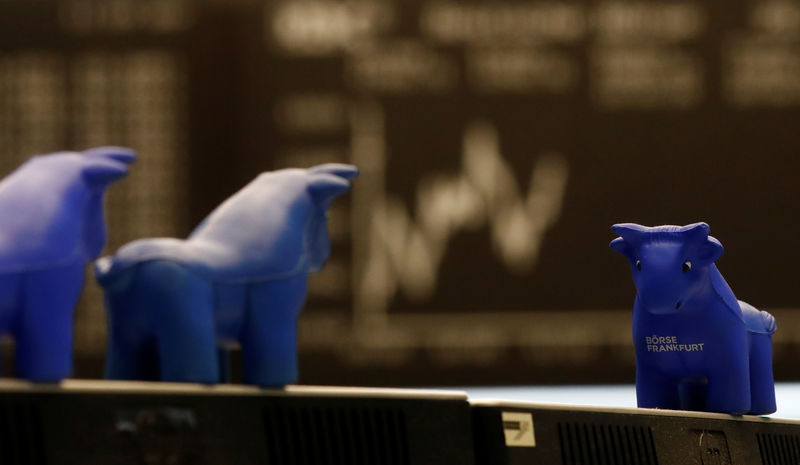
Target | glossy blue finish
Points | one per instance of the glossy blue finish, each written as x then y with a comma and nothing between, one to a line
697,347
51,225
239,278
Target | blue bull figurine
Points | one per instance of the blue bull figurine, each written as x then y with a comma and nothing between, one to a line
697,347
240,278
51,225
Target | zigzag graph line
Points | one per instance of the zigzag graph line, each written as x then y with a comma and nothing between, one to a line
405,253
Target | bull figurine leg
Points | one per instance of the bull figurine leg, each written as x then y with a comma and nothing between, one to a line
729,378
180,307
762,386
10,291
175,307
269,336
44,325
131,353
654,390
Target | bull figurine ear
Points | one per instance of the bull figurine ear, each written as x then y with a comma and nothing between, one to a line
121,154
706,249
695,232
709,250
100,172
325,187
631,232
338,169
622,246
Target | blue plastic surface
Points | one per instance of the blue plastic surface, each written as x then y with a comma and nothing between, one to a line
697,347
239,278
51,225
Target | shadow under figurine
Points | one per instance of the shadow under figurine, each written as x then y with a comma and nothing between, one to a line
239,278
51,225
697,347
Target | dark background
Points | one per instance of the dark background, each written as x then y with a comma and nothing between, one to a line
653,112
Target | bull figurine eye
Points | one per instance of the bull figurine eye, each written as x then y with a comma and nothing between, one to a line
687,266
639,265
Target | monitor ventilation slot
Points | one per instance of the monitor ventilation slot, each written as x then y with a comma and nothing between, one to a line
779,449
603,444
335,436
21,436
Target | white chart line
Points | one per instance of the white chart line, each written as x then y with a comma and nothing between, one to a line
394,252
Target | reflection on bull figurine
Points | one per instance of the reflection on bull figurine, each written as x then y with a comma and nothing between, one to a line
697,347
239,278
51,225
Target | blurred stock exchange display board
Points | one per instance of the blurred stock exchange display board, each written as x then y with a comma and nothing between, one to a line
498,141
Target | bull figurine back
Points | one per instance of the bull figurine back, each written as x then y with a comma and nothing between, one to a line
697,347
